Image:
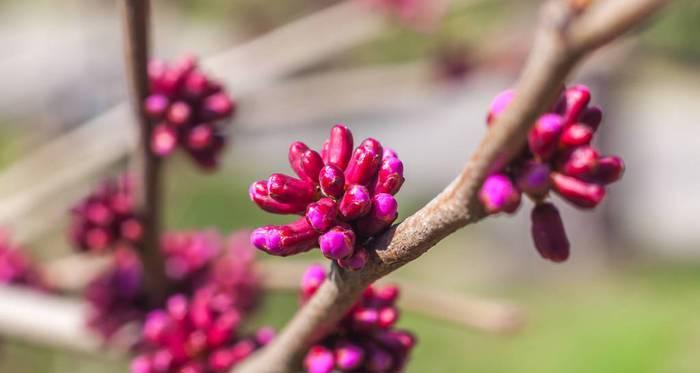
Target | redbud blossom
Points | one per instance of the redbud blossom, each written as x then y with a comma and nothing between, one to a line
548,233
498,194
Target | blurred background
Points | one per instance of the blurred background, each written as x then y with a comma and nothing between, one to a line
626,301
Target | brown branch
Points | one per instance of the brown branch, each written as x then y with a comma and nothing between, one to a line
136,37
563,38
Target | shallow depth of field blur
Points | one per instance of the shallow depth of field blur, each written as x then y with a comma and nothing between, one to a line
626,301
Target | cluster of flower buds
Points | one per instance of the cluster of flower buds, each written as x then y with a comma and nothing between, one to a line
345,198
106,217
189,110
365,340
196,335
17,268
558,157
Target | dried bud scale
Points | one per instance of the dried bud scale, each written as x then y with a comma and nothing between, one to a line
558,157
345,197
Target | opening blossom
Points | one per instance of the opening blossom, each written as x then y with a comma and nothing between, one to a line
366,339
558,157
189,110
344,197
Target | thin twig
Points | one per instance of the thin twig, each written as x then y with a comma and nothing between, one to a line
561,42
136,15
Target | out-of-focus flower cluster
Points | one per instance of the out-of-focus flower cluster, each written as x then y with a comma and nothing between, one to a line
345,198
366,339
189,110
17,268
558,157
106,217
197,334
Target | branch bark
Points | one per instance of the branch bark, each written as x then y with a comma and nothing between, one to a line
136,38
565,35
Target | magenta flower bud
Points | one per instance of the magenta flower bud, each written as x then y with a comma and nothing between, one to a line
388,317
305,162
576,135
195,85
498,194
99,214
155,326
131,229
337,243
332,181
163,140
179,113
156,105
365,318
356,261
499,104
386,295
356,202
321,215
533,179
610,169
223,328
319,360
98,238
200,137
379,360
543,138
192,368
348,356
580,193
311,280
364,163
592,117
258,193
221,360
283,188
574,101
218,106
141,364
581,162
284,240
548,233
339,147
177,307
265,335
243,349
390,176
384,212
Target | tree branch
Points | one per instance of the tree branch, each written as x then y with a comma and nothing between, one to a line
564,37
136,37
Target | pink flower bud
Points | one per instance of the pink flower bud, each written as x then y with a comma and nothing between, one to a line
498,194
242,349
217,106
592,117
533,179
200,137
223,328
258,193
339,147
163,140
548,233
195,85
98,238
356,261
283,188
499,104
177,307
388,317
265,335
221,360
574,101
580,193
356,202
379,360
284,240
131,229
581,162
98,213
364,163
610,169
384,212
141,364
386,295
179,113
332,181
365,318
321,215
156,106
155,326
348,356
312,280
390,176
319,360
305,162
337,243
576,135
543,138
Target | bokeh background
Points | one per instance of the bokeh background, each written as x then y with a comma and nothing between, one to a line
627,300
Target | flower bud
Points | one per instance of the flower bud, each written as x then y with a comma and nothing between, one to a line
533,179
592,117
379,360
384,211
164,140
179,113
258,193
156,105
574,101
312,280
386,295
265,335
365,318
221,360
390,176
348,356
195,85
305,162
581,162
339,147
580,193
576,135
356,202
543,138
131,229
217,106
283,188
321,215
200,137
388,317
319,360
332,181
610,169
499,104
498,194
155,326
356,261
337,243
364,163
141,364
288,239
548,233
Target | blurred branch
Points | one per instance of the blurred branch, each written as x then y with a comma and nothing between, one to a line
136,39
565,35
